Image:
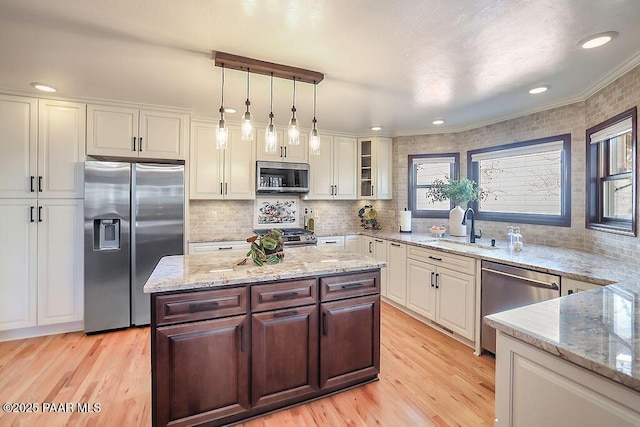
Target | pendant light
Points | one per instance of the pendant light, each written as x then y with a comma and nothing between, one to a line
294,131
314,138
247,125
270,135
222,135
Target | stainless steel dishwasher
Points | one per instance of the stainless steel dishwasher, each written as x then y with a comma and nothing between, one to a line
505,287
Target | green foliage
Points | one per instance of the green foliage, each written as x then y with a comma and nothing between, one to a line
268,248
459,192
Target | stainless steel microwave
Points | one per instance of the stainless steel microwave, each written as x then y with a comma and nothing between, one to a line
282,177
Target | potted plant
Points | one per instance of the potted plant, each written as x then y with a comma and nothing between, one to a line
267,248
460,192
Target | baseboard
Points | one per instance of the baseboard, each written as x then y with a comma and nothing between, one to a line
431,323
38,331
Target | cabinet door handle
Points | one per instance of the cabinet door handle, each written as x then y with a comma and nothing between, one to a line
225,188
379,241
431,282
437,280
352,285
435,258
31,215
134,143
285,314
32,189
325,324
221,193
281,151
331,188
242,338
395,244
140,145
335,190
40,184
370,250
372,190
39,213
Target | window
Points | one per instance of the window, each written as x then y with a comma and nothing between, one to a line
611,171
423,169
525,182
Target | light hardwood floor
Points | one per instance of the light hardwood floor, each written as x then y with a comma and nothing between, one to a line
426,379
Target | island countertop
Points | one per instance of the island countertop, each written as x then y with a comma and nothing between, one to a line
596,329
184,272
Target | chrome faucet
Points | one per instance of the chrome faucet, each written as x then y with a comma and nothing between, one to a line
472,238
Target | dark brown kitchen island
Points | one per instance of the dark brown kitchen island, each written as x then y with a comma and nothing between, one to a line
231,342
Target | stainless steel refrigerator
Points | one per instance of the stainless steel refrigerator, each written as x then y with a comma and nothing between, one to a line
134,215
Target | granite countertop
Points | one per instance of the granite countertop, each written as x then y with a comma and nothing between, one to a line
597,330
183,272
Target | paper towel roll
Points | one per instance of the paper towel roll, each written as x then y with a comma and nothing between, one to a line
405,221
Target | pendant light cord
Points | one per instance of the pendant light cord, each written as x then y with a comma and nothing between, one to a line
271,93
222,84
314,101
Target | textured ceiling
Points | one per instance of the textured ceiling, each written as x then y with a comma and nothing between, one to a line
396,63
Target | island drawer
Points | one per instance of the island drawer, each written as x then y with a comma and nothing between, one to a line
200,305
284,294
349,285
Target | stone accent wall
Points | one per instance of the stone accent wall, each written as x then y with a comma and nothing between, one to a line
575,119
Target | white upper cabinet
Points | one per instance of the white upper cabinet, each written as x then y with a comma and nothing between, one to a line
18,146
333,172
129,132
61,145
374,168
221,174
42,148
285,152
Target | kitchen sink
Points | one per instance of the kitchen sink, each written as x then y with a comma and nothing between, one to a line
462,246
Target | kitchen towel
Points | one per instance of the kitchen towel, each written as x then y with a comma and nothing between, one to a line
405,221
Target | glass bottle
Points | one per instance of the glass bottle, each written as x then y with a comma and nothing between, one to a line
510,237
311,221
517,239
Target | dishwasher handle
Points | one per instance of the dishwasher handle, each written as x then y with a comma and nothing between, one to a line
538,283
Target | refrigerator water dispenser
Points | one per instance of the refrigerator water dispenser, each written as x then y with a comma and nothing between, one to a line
106,234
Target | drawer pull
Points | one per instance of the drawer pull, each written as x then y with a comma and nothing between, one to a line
435,258
203,306
331,241
352,285
396,245
287,295
226,248
286,314
379,241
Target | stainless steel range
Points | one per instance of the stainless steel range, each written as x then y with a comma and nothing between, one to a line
294,236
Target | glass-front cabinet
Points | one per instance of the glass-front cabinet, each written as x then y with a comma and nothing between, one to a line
374,168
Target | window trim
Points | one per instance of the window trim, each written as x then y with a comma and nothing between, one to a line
562,220
412,184
594,215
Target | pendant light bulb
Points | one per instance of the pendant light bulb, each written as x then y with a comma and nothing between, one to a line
247,122
222,132
270,134
294,131
314,138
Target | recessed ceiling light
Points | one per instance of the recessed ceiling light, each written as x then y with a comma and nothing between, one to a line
43,87
539,89
597,39
376,127
230,110
438,122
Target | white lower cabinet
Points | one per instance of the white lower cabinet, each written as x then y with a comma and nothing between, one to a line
337,241
380,253
352,242
41,262
441,287
397,272
535,388
572,286
240,246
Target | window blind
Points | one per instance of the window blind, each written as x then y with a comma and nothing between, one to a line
612,131
518,151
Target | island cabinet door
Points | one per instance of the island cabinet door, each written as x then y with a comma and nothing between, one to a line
349,341
284,346
201,372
